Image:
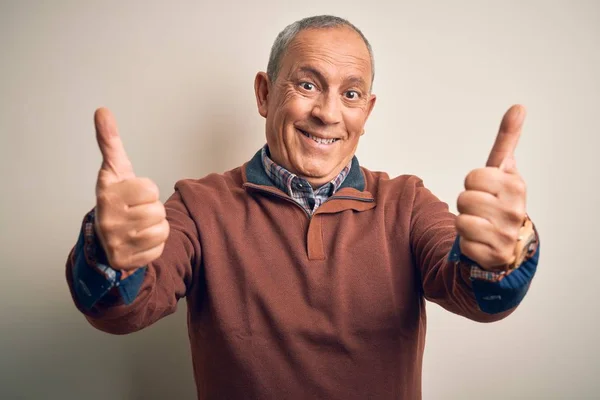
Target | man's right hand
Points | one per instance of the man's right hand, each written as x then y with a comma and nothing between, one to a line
130,219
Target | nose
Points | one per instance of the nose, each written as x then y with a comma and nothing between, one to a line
327,109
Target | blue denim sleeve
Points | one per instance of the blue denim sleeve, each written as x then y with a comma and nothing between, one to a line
92,277
496,297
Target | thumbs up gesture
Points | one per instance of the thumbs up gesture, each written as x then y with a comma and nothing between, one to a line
130,219
492,207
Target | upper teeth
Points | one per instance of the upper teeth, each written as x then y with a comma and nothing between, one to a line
319,140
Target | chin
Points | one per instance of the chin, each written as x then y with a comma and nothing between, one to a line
316,173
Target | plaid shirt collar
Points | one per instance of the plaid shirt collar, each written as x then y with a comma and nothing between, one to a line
299,189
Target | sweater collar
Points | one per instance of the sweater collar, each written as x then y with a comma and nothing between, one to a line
255,174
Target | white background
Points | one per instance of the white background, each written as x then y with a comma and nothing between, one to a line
179,78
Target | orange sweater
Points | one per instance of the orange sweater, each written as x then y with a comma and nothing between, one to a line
282,305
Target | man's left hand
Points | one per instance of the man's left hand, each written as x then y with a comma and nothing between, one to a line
492,207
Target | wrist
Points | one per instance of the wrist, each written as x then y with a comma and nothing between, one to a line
526,244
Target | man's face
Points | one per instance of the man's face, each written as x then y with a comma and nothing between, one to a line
318,105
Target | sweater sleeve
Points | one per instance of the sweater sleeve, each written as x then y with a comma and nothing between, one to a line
445,282
166,280
92,278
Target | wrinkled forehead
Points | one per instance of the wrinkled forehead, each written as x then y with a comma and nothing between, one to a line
335,52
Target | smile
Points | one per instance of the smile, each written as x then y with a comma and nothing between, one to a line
318,139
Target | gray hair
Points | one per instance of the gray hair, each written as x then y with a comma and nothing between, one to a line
287,35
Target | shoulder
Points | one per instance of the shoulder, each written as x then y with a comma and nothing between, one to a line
404,193
214,188
380,184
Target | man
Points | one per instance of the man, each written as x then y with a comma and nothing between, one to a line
305,274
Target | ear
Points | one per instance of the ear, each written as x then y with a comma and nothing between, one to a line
261,90
372,100
370,105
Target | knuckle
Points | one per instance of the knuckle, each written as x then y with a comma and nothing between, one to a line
165,231
162,210
476,177
131,235
157,210
465,245
110,202
104,226
104,197
507,257
507,236
502,255
471,178
150,256
462,201
157,252
112,244
516,215
460,223
150,188
521,186
517,186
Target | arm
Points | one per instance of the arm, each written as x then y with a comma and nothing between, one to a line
148,294
445,283
499,291
485,234
130,228
453,280
90,276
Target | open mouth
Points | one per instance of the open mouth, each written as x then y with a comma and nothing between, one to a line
317,139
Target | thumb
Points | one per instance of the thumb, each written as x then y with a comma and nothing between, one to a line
508,136
116,166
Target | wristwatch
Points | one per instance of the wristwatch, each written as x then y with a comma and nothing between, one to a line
526,244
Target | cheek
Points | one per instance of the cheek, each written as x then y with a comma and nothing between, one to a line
355,119
294,107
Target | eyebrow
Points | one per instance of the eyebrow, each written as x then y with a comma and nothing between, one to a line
355,80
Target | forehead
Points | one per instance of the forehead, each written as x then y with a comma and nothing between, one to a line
333,51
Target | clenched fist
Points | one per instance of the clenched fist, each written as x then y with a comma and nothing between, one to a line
130,219
492,207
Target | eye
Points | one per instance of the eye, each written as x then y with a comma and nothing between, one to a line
352,95
307,86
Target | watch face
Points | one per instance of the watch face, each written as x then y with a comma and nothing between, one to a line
526,245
